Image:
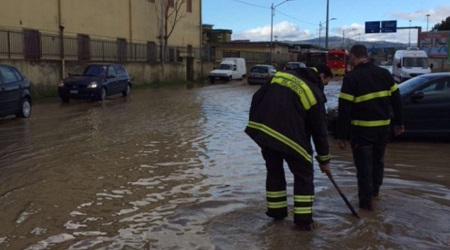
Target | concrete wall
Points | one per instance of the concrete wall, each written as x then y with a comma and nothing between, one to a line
440,64
47,73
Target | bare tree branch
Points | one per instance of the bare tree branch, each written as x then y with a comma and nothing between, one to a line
173,16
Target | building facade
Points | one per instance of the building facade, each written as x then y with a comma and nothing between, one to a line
129,31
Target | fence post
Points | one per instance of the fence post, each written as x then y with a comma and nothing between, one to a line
9,45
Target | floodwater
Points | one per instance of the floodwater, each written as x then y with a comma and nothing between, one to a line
173,169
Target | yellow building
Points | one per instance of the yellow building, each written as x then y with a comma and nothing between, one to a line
108,30
132,20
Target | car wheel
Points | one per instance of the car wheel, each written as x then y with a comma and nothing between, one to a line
127,90
25,108
103,94
230,78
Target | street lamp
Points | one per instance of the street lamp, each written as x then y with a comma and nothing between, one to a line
359,37
326,28
272,9
428,15
409,36
343,36
320,28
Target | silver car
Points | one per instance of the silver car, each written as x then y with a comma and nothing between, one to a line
260,74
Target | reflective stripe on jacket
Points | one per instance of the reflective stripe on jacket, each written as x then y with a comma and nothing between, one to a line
369,97
285,113
298,86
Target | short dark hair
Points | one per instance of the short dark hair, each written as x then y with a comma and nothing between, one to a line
359,51
324,69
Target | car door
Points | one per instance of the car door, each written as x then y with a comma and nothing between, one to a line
3,101
112,80
427,109
10,88
122,79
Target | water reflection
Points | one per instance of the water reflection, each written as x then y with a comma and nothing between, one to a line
172,169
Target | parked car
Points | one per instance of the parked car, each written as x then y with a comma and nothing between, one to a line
15,93
95,81
426,106
260,73
294,65
230,68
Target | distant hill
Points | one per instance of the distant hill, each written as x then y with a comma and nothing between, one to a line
336,42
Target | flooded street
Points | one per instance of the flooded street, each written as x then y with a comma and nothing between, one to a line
173,169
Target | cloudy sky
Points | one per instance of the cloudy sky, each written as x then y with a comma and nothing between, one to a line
305,19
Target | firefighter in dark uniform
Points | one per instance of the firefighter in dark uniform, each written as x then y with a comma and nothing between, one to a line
284,114
368,98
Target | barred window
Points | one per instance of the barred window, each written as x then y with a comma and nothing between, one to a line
32,42
189,5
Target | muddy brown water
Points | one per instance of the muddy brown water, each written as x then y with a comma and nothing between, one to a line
173,169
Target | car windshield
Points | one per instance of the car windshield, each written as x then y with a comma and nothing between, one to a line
333,57
292,65
259,69
412,84
410,62
225,66
91,70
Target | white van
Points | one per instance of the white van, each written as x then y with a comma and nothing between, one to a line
410,63
230,68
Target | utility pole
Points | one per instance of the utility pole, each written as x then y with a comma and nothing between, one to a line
272,13
326,28
162,30
320,30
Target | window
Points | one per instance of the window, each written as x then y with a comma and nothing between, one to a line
32,44
121,49
421,62
112,71
259,69
120,71
84,51
9,75
439,85
95,70
189,6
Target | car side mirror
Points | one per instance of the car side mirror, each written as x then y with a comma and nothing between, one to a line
399,65
111,76
417,95
431,65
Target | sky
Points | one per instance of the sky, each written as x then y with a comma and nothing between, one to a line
296,20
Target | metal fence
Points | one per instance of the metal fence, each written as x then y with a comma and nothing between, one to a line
36,45
32,44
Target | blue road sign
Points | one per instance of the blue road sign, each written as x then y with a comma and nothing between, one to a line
373,27
388,26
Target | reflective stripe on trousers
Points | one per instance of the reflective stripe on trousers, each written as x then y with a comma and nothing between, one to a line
303,204
276,199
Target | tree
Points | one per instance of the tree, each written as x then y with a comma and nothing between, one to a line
444,25
168,13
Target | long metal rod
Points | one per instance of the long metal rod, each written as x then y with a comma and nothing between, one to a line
342,195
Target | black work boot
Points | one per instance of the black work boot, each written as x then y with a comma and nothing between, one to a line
305,226
277,214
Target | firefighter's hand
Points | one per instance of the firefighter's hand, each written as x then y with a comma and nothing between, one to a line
324,168
398,130
342,144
